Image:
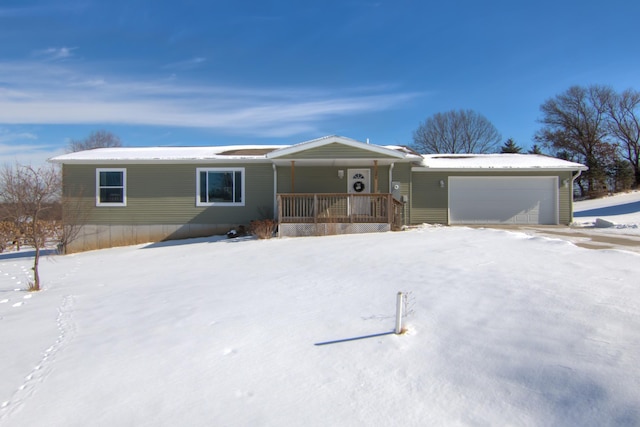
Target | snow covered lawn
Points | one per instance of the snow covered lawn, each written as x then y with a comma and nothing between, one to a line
506,329
623,210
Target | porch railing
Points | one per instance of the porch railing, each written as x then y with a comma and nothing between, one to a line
339,208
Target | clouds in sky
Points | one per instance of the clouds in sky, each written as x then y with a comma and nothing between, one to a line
47,91
23,148
55,53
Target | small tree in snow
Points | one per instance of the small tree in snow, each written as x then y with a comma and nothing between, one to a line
26,195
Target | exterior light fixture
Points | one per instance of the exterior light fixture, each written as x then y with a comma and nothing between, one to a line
340,174
442,183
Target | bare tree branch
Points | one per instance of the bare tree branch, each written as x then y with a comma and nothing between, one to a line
462,131
624,125
27,193
575,123
97,139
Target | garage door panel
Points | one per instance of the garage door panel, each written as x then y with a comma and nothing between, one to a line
512,200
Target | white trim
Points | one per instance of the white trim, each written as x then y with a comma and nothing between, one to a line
242,189
124,188
542,169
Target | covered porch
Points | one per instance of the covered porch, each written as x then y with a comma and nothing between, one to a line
318,214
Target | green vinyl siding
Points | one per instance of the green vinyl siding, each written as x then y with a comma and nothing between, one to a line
166,194
565,198
429,202
402,173
335,151
324,179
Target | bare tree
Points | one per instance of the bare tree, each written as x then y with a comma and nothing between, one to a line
75,211
27,193
461,131
97,139
575,122
624,125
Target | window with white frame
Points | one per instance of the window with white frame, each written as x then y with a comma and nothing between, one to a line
220,186
111,187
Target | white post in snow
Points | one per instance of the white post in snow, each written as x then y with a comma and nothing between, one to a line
399,309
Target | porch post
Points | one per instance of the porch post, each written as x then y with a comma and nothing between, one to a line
293,176
375,176
315,208
279,199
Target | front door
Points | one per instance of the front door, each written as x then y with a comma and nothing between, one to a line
359,182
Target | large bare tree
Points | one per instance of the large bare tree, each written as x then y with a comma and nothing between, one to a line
456,131
96,139
26,195
576,122
624,125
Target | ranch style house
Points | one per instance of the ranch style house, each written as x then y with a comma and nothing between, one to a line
329,185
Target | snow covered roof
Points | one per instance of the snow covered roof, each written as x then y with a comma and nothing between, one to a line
217,153
267,153
167,154
495,161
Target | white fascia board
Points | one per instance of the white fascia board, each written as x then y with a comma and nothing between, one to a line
364,162
234,160
502,169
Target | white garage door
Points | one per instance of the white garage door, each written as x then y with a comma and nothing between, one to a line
512,200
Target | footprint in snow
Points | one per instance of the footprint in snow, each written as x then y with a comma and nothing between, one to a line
4,301
18,304
27,296
228,351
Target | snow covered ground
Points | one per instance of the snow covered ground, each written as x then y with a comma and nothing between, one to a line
505,328
623,210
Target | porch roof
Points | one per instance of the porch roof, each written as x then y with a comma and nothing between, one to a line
375,150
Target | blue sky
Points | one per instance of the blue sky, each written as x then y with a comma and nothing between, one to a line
264,72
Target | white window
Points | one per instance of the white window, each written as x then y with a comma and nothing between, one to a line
220,187
111,187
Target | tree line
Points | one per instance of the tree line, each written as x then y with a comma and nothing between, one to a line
593,125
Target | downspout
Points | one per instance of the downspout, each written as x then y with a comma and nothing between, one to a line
573,180
391,177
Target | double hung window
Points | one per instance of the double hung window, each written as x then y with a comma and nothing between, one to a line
111,187
220,186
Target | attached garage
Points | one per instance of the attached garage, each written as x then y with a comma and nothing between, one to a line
491,189
503,200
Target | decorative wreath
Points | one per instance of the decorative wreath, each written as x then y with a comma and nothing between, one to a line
358,186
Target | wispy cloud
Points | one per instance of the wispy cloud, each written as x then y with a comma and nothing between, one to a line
22,147
188,64
62,95
55,53
8,136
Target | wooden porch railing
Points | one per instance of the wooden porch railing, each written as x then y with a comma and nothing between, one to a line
339,208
